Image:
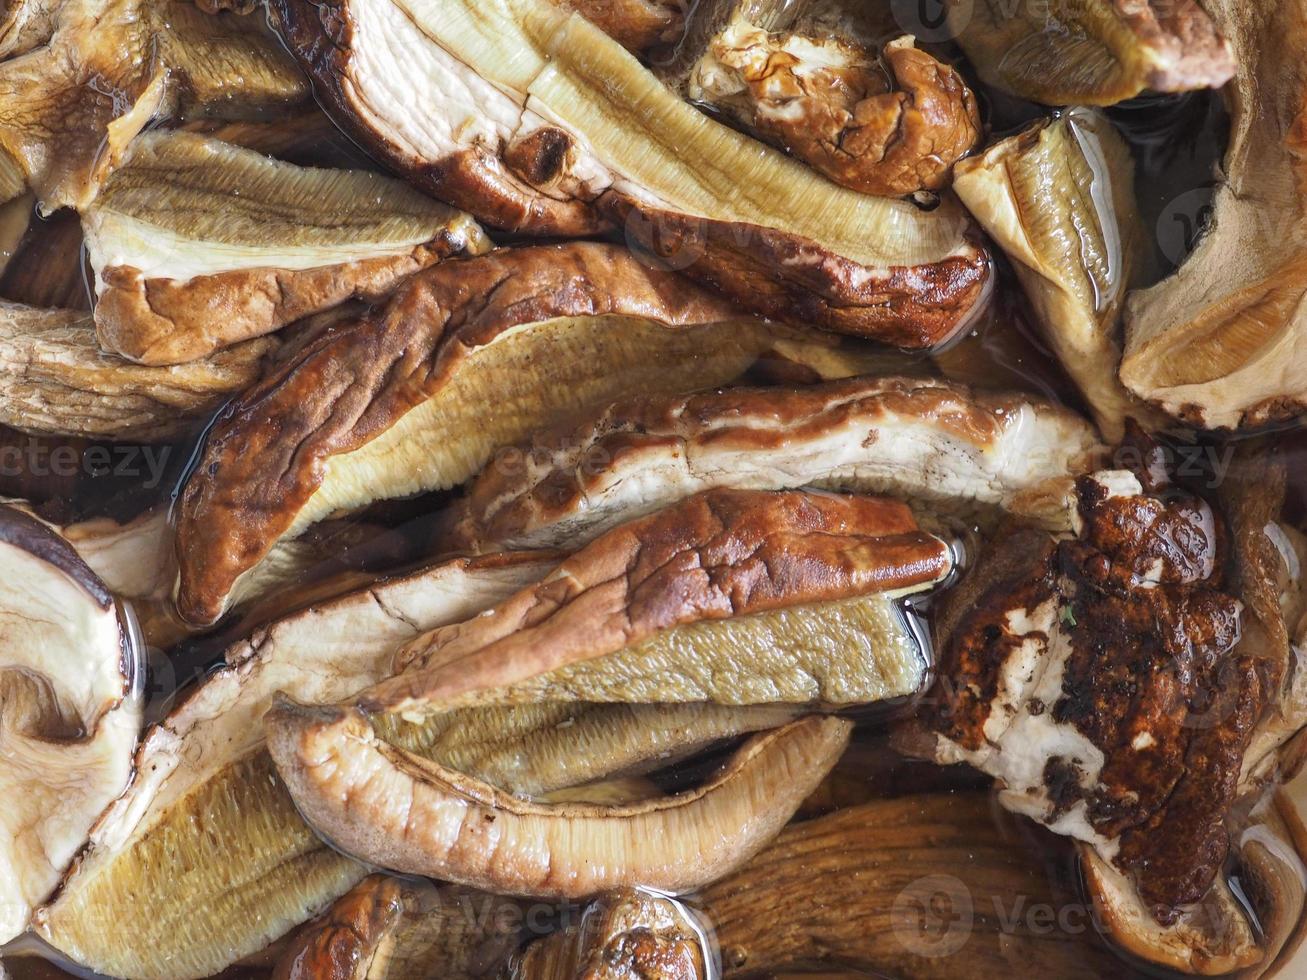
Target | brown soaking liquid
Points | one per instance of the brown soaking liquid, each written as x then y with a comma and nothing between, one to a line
1041,905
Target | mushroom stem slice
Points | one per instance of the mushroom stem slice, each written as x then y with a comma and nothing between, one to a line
891,126
69,710
939,444
1065,188
545,125
188,226
399,811
58,381
1221,343
1069,52
207,793
395,403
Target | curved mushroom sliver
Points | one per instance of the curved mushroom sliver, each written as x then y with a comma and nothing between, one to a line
537,121
934,442
401,812
469,356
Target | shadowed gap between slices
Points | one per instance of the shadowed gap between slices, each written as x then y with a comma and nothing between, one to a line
523,84
468,357
197,244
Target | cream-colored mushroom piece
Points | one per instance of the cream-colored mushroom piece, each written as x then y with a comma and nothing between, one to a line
1222,343
69,710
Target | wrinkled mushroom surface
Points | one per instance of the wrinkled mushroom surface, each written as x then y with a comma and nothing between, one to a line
545,125
197,244
207,792
468,357
938,444
69,710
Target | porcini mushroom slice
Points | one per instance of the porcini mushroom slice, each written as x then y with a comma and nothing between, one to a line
1222,343
1058,198
15,216
1067,52
207,793
147,59
69,710
58,381
647,934
539,122
25,24
730,597
634,24
197,244
468,357
936,443
889,124
399,811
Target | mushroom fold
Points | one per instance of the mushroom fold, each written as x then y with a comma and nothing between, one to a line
936,443
69,710
890,125
1222,343
57,381
536,121
468,357
197,244
207,793
1100,52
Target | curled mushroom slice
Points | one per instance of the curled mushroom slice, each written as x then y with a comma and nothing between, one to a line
731,597
207,792
423,818
889,125
624,934
1067,52
467,357
58,381
939,444
537,121
197,244
69,109
69,710
1222,343
1058,198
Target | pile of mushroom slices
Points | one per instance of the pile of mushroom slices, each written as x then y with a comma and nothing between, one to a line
579,455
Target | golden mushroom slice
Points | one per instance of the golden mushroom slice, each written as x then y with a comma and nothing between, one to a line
197,244
936,443
207,793
69,109
25,24
1058,198
1222,343
69,710
891,123
1072,52
58,381
536,121
423,818
468,357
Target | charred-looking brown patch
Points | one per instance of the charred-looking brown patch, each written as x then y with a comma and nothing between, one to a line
542,157
340,942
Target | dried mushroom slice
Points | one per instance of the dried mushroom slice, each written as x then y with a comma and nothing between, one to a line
207,793
732,597
634,24
1220,343
426,819
1069,52
69,109
469,356
25,24
538,122
623,935
69,710
1058,198
197,244
939,444
891,125
393,929
57,381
